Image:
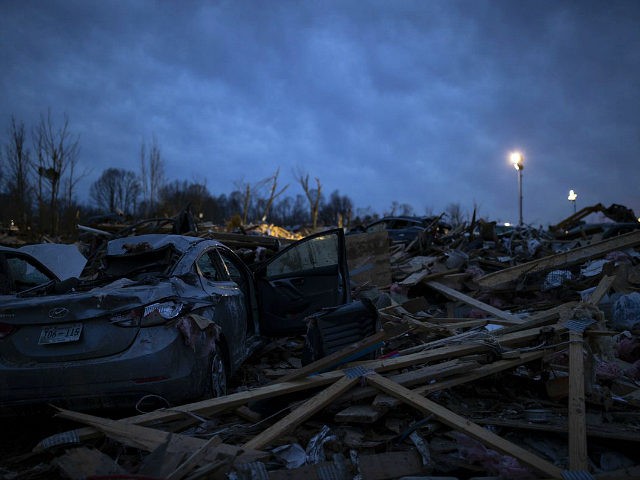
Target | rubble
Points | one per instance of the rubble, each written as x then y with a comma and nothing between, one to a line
489,363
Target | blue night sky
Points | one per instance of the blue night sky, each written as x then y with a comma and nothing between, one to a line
414,101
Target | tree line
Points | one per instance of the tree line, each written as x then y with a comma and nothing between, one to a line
39,178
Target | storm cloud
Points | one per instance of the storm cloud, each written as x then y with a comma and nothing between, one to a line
409,101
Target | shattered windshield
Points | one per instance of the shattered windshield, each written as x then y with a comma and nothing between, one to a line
140,262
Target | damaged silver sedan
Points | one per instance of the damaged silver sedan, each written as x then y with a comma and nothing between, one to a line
167,316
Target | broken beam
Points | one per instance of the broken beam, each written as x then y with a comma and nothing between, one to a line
334,359
460,423
559,260
302,413
456,295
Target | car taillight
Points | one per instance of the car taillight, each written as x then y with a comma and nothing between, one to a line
159,313
154,314
6,330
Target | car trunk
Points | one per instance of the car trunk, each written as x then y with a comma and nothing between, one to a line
74,326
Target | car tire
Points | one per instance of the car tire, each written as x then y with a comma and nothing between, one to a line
217,375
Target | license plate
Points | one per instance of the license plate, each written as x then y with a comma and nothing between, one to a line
60,334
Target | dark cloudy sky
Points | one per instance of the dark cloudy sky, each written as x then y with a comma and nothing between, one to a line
414,101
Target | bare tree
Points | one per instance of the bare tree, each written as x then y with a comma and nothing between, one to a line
455,214
144,183
116,190
273,193
244,190
313,195
255,203
151,175
57,153
18,167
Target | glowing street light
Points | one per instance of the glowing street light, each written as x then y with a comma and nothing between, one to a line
518,162
572,198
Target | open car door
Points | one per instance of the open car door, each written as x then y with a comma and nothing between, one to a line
305,277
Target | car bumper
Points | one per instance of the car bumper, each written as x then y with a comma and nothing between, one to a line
157,363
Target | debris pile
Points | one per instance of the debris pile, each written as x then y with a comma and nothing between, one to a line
507,354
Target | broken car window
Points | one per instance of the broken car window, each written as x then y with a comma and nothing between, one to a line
208,267
315,253
19,274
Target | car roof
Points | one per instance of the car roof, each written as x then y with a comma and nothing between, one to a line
155,241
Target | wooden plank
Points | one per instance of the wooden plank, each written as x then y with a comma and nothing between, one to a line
359,414
460,423
541,318
453,351
467,324
480,372
148,439
605,430
456,295
422,325
413,305
578,459
202,408
414,377
475,374
302,413
83,462
559,260
602,289
433,355
333,359
194,460
414,278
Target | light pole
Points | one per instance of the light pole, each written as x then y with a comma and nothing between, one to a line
572,198
518,162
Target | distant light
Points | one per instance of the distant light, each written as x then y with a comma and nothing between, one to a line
517,159
507,224
572,196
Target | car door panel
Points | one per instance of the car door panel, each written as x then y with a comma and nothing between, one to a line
305,277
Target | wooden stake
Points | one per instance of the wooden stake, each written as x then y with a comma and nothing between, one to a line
578,459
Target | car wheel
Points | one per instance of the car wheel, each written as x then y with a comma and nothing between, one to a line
217,374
